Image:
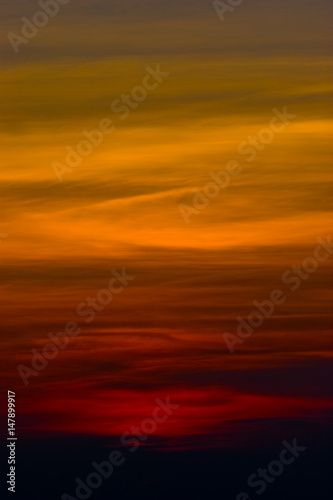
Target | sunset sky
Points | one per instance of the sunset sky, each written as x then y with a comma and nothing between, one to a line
163,335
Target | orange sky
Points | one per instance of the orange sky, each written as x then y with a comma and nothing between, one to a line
120,208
